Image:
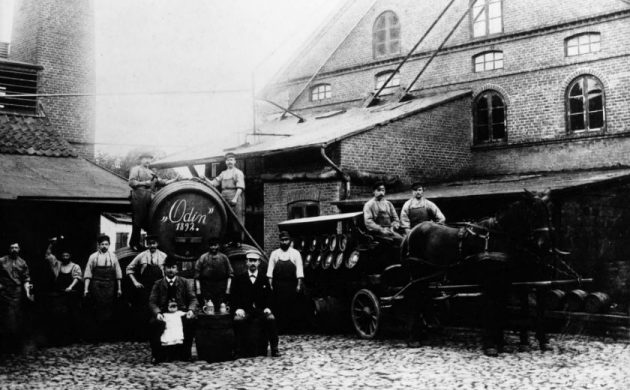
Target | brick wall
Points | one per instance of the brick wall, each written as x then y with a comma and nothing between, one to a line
279,194
59,35
431,145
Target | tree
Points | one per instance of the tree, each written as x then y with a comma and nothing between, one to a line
122,165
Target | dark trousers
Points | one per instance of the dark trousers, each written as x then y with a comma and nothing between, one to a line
165,353
246,327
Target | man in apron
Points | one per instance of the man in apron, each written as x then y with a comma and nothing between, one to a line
144,270
15,283
142,181
380,217
419,209
232,184
102,287
286,276
213,275
63,302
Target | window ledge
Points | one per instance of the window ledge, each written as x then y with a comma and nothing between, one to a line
591,135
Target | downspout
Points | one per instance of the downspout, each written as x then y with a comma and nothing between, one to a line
344,176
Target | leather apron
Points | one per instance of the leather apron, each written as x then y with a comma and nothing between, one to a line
103,291
418,215
213,281
285,294
10,304
383,219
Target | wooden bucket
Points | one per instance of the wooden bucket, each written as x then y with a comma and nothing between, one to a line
214,337
597,302
575,300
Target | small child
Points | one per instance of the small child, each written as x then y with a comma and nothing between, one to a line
174,331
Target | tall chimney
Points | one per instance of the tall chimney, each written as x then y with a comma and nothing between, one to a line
59,35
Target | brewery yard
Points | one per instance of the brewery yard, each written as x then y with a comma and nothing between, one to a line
452,361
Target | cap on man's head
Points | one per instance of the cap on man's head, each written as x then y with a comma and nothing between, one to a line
152,237
230,155
378,184
213,241
170,261
416,185
146,153
252,255
285,235
102,237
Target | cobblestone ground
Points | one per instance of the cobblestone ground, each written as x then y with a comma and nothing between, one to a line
334,362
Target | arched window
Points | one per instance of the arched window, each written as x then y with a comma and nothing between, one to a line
490,60
582,44
585,105
487,17
490,118
386,35
382,77
321,92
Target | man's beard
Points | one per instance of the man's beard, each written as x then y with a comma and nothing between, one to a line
13,254
284,247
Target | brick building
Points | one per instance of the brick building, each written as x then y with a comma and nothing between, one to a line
522,94
48,186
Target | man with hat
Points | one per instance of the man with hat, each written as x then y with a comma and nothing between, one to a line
286,276
144,270
380,216
142,181
15,283
171,288
213,275
251,302
419,209
102,277
232,184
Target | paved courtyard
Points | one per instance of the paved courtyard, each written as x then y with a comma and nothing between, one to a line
453,361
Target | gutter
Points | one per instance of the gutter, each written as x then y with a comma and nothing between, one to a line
344,176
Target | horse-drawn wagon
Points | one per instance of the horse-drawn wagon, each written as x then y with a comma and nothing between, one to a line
511,254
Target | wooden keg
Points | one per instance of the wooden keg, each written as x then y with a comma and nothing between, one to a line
597,302
575,300
338,260
332,242
327,260
554,299
342,242
214,337
184,215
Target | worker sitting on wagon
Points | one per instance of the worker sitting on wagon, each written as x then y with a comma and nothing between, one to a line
213,275
166,290
144,270
142,181
380,217
232,184
419,209
63,305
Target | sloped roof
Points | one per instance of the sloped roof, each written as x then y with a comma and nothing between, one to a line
59,178
32,135
507,185
317,130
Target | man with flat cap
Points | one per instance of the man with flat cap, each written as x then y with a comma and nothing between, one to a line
232,184
213,275
380,217
143,271
419,209
142,181
286,277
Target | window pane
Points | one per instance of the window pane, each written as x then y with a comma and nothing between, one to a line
498,64
312,211
593,86
479,14
495,26
572,51
479,67
394,33
482,117
576,122
498,55
576,105
498,115
576,90
482,103
582,39
595,47
498,131
479,29
585,48
380,49
494,10
482,133
497,101
380,36
595,102
394,47
596,120
489,66
380,23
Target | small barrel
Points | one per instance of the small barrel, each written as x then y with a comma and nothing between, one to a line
323,243
214,337
338,260
575,300
554,299
308,257
353,259
342,242
312,243
597,302
327,260
317,260
332,242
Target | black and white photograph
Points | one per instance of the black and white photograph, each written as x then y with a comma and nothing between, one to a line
315,194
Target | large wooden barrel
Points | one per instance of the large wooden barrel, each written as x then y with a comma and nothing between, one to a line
554,299
597,302
184,215
575,300
214,337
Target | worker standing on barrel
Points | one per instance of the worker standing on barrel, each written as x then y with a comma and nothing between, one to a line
15,283
102,287
419,209
232,184
144,270
213,275
142,181
286,277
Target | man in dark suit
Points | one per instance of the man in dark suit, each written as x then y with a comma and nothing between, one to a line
251,300
171,288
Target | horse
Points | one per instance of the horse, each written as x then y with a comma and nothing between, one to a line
493,253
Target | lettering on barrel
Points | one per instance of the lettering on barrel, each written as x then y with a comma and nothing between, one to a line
186,219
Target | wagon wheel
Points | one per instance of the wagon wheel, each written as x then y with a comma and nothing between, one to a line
366,313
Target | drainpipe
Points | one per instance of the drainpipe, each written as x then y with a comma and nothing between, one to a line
344,176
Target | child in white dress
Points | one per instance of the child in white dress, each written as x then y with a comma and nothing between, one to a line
174,331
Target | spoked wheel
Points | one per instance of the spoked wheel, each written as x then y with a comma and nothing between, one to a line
366,313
